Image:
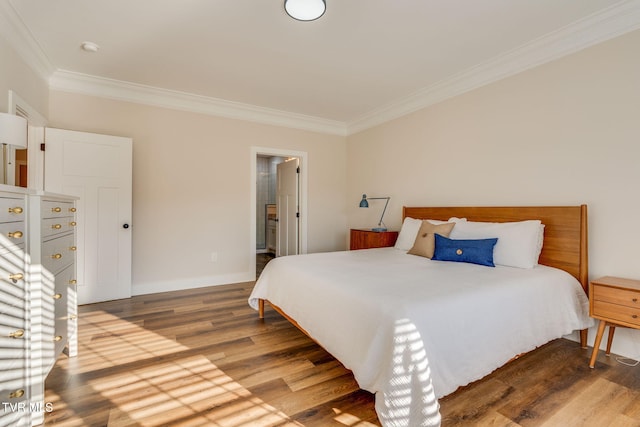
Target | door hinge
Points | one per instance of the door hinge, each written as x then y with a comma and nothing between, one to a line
297,214
42,147
298,169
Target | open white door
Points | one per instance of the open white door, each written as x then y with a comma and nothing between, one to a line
98,170
287,204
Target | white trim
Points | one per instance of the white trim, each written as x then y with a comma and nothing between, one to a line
604,25
182,284
69,81
33,116
304,189
35,135
15,32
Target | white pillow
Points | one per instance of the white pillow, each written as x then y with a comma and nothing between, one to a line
456,219
409,231
519,243
540,242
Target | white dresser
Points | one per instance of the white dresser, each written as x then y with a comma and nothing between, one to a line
39,305
14,323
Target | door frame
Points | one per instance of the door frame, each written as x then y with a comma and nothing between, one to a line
36,123
304,179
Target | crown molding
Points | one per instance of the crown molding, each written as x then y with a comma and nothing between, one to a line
13,30
604,25
601,26
69,81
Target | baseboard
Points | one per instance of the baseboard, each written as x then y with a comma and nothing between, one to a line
625,342
191,283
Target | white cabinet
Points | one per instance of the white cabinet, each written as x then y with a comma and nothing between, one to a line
38,305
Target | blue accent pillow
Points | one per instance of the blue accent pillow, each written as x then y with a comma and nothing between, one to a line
478,251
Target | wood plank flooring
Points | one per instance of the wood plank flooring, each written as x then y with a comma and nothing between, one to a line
202,357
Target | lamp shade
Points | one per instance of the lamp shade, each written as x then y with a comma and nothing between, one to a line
364,203
13,130
305,10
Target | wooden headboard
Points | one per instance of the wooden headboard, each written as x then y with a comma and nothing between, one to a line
565,232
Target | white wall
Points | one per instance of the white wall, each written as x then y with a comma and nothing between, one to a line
191,187
564,133
15,75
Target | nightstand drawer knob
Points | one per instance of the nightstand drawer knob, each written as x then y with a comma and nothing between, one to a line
635,316
635,300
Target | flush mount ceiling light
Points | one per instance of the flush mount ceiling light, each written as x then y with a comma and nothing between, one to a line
89,46
305,10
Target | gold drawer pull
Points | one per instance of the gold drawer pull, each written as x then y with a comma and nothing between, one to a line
58,338
15,277
15,234
57,296
56,226
72,209
73,281
16,394
17,334
16,210
56,209
73,224
56,256
73,248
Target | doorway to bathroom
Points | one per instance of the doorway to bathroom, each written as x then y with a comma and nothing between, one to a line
280,204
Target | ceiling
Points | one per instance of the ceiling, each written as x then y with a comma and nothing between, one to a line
363,62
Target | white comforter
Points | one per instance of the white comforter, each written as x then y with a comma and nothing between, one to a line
413,330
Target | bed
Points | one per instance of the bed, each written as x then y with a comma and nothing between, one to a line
413,329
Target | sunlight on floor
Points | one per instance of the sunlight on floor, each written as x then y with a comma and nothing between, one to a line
351,420
185,390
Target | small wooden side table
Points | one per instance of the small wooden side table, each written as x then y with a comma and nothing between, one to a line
615,301
367,239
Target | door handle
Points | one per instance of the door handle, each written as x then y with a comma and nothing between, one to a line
125,226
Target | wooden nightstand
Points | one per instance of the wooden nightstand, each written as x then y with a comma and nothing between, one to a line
367,239
616,302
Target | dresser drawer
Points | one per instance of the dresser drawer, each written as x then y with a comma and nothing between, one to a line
56,209
13,389
12,275
61,290
12,209
63,279
55,226
60,337
616,313
616,296
58,253
14,234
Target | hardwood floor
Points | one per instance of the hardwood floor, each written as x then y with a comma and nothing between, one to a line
261,261
202,357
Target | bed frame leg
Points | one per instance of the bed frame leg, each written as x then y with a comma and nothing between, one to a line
583,338
261,308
